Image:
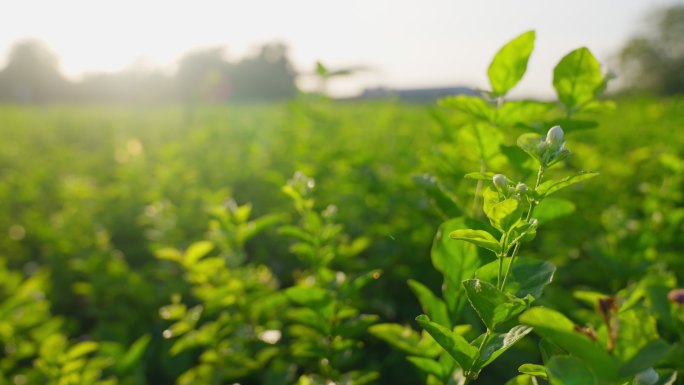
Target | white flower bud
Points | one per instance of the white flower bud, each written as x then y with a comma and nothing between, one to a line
555,136
647,377
534,222
500,182
521,188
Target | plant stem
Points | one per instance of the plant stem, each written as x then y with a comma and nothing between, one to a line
476,198
533,203
468,374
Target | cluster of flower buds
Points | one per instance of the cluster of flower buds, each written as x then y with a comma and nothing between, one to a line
552,148
501,183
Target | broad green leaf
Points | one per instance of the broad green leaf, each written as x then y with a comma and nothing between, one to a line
510,63
551,186
522,112
428,366
638,345
133,355
666,377
571,125
474,106
358,377
453,343
433,306
504,214
296,232
456,261
555,327
406,339
493,306
528,276
533,370
530,144
548,349
553,208
498,344
577,78
490,198
81,349
485,138
443,199
522,380
196,251
568,370
479,238
312,297
310,318
486,176
646,357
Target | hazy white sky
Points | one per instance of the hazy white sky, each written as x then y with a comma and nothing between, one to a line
407,43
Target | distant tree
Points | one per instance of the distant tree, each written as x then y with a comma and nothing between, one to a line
655,60
32,74
203,76
269,75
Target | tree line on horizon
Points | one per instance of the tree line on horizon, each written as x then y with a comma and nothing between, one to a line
651,61
32,76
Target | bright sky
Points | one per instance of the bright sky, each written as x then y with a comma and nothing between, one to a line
407,43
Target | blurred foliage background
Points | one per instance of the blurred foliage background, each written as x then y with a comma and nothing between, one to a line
147,239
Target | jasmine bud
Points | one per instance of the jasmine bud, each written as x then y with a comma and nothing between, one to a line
647,377
500,182
555,136
521,188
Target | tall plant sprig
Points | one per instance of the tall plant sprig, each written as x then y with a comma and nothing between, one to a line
502,289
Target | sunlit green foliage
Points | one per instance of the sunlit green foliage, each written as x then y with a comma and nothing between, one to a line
170,245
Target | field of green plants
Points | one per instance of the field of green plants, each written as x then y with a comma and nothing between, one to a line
326,242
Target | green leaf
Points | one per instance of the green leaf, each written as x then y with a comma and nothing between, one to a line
522,380
493,306
555,327
571,125
443,199
637,329
477,237
667,377
133,355
453,343
533,370
510,63
196,251
548,349
504,214
296,232
522,112
553,208
456,261
567,370
428,366
406,339
646,357
312,297
433,306
551,186
81,349
528,276
486,176
474,106
577,78
530,144
498,344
